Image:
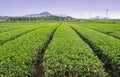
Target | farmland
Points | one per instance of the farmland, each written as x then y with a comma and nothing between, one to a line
60,49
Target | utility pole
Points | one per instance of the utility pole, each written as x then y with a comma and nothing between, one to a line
107,14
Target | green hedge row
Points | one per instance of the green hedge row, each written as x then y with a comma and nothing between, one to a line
69,56
18,57
109,47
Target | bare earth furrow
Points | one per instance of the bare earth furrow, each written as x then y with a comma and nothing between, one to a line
39,66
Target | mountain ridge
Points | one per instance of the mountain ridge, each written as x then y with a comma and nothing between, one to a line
46,14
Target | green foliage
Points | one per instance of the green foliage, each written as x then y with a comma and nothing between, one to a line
67,55
109,29
108,45
18,57
18,29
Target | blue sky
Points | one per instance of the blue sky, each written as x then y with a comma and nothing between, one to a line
73,8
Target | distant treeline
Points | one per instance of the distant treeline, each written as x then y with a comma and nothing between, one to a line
35,18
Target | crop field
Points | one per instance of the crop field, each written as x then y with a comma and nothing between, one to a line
60,49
